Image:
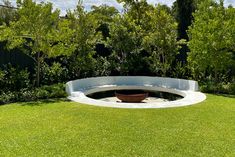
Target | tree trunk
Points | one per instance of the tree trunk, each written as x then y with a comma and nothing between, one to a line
216,82
38,70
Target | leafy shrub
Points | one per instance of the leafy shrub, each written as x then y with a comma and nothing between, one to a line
180,70
53,91
14,79
54,73
27,95
103,67
222,88
7,97
1,75
231,88
24,95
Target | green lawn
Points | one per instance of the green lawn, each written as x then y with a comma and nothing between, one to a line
63,128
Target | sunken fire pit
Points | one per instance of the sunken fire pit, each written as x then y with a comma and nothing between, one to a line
131,96
90,91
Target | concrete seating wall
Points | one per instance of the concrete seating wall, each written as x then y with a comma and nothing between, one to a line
99,82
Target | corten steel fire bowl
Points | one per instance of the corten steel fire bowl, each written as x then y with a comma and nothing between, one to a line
131,97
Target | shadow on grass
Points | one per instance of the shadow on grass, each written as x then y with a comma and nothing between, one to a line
226,95
44,102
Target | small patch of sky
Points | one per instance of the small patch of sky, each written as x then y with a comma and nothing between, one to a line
65,5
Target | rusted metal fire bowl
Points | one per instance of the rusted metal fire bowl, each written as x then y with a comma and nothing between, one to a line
131,98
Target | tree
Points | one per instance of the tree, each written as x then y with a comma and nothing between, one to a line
183,12
126,37
212,40
104,13
104,16
7,13
143,37
35,29
84,39
137,9
161,41
126,45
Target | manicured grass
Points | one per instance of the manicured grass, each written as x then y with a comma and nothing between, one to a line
69,129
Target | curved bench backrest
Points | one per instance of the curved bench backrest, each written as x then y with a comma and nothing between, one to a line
89,83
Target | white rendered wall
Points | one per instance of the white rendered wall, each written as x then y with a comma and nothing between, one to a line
78,89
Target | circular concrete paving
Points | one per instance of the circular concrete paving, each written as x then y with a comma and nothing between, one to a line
79,89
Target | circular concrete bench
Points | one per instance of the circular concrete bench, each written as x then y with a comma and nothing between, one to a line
188,89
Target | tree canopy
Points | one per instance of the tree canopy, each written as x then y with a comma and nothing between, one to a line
34,29
143,39
212,40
